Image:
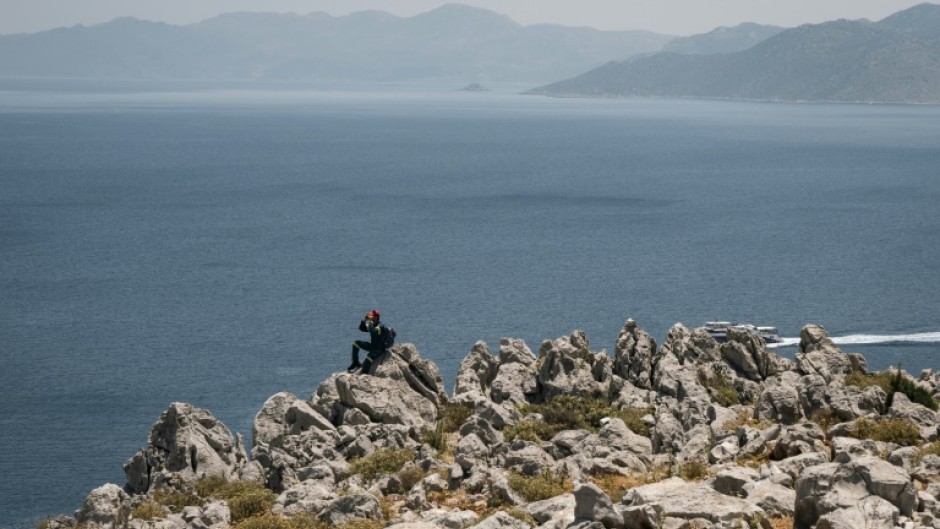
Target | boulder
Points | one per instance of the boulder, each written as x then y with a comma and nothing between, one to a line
633,358
799,439
903,408
824,489
515,383
779,403
568,367
188,442
501,520
514,351
676,498
476,374
348,508
106,507
774,499
386,401
403,363
529,459
731,481
818,355
592,503
309,497
559,507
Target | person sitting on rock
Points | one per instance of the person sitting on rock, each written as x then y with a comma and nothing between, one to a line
380,338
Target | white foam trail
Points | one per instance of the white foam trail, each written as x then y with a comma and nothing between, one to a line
869,339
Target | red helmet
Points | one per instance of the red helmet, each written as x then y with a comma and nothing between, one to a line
374,315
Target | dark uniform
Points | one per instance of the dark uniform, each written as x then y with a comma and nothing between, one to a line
374,348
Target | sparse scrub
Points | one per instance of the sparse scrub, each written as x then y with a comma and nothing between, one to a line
271,521
616,485
781,523
409,477
175,499
694,470
573,413
245,499
744,418
436,437
380,462
898,431
720,389
148,510
912,390
825,418
863,380
537,488
453,415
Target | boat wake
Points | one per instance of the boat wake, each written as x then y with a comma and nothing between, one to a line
870,339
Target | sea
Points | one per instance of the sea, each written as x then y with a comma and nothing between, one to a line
218,244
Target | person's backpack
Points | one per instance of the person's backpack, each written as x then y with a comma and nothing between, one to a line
389,335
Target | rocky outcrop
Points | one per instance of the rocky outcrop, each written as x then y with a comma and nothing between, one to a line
753,436
185,443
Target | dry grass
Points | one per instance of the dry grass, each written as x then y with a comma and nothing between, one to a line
458,500
537,488
898,431
148,510
270,521
381,462
744,418
781,523
616,485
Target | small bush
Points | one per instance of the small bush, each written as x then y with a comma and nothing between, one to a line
381,462
410,476
537,488
271,521
175,500
616,485
148,510
863,380
515,512
694,470
825,418
720,389
914,392
633,417
898,431
535,431
744,418
453,415
245,499
435,437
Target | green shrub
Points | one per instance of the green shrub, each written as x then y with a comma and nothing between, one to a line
535,431
175,499
435,437
862,380
914,392
453,415
694,470
537,488
148,510
410,476
898,431
573,413
381,462
720,389
245,498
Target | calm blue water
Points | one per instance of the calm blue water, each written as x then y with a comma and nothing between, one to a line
216,247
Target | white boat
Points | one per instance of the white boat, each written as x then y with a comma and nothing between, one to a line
719,330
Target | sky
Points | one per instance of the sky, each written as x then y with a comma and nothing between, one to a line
673,17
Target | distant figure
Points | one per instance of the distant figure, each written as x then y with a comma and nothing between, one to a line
381,338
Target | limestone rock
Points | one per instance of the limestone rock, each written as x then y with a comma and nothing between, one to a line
799,439
106,507
476,374
559,507
592,503
824,489
818,355
307,497
779,403
774,499
348,508
501,520
633,360
187,441
386,401
731,481
675,498
568,367
528,459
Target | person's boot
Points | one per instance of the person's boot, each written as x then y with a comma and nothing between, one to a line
355,360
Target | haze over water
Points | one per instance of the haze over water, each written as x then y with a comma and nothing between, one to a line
218,246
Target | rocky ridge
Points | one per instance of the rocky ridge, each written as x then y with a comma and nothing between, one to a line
689,434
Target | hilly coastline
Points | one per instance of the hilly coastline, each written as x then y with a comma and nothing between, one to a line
454,43
690,433
896,60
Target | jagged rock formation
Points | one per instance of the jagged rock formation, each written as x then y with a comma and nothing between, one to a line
691,433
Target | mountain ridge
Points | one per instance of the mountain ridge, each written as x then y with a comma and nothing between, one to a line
452,43
836,61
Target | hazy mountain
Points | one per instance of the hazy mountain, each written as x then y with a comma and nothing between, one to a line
723,40
451,43
895,60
